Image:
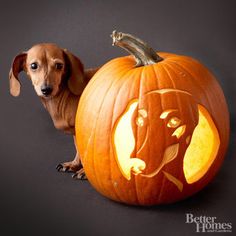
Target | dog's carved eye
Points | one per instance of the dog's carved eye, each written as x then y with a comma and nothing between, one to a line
174,122
34,66
59,66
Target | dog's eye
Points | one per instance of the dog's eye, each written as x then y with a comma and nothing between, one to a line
59,66
174,122
34,66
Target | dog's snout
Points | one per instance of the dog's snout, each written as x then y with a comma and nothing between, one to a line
46,90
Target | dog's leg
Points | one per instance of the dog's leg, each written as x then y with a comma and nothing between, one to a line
73,166
80,174
70,166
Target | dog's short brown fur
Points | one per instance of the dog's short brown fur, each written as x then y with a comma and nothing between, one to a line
58,78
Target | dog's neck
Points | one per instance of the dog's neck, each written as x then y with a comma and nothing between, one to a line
63,106
62,109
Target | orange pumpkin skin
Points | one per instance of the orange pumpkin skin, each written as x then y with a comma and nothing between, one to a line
106,98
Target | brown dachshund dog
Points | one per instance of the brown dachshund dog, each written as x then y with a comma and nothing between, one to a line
58,78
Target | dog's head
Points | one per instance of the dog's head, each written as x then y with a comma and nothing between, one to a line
49,68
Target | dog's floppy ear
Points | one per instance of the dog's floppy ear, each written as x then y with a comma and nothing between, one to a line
75,72
17,67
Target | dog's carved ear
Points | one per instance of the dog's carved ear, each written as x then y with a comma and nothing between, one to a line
75,72
17,67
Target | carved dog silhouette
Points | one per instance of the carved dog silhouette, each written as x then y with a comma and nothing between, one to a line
141,122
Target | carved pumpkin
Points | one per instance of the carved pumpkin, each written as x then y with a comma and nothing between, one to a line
150,128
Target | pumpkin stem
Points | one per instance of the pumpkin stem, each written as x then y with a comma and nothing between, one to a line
143,54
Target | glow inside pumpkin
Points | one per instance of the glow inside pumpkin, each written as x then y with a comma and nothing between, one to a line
199,155
124,143
203,148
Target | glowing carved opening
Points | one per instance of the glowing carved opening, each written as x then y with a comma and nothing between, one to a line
140,121
203,148
188,139
142,112
174,180
124,143
179,131
165,113
174,122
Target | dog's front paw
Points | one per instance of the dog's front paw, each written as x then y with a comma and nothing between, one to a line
70,166
80,174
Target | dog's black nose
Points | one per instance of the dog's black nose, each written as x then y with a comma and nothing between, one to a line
46,89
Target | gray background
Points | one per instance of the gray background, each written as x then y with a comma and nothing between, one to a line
37,200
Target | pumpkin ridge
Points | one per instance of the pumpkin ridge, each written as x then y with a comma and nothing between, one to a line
105,69
158,87
175,64
112,179
196,81
114,105
155,73
201,88
137,132
116,81
94,130
189,106
122,86
116,100
111,153
169,75
174,86
171,68
144,142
